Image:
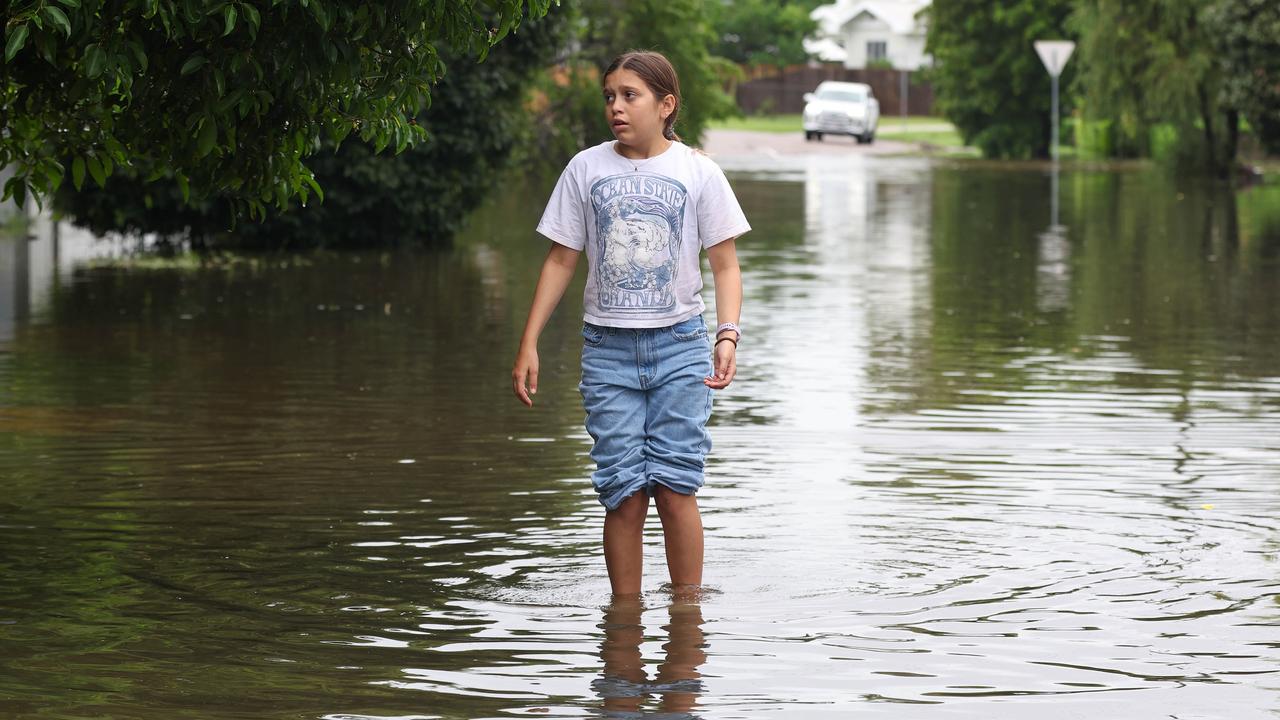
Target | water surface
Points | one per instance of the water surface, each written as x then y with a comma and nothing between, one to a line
973,467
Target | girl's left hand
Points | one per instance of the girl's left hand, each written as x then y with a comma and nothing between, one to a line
726,366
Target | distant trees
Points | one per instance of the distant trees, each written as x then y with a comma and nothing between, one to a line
1166,78
222,97
762,32
680,29
1150,65
1246,37
1175,77
988,80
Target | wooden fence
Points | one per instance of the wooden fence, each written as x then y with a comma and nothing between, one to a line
782,91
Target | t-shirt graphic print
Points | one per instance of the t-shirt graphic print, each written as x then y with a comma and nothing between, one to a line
639,219
643,231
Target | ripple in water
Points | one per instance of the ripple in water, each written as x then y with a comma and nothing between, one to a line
957,471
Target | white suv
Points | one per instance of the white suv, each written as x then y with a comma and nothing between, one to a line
841,108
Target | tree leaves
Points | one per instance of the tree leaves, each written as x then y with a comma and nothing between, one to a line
270,80
95,61
1247,39
1153,71
77,172
253,18
311,182
761,32
986,77
322,15
57,17
139,55
193,63
207,137
97,170
17,38
359,198
230,18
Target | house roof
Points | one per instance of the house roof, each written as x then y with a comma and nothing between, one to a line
899,15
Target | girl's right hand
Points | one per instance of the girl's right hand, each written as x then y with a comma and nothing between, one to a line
524,376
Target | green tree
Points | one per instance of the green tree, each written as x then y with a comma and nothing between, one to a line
1246,37
680,29
761,32
222,96
477,122
1150,68
987,78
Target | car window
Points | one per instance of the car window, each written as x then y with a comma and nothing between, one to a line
841,95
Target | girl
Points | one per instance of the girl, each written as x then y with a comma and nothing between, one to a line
643,207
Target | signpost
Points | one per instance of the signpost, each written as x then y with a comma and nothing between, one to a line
1054,54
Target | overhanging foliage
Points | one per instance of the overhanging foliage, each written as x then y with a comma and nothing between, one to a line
222,97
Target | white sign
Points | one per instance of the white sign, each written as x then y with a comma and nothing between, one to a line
1054,54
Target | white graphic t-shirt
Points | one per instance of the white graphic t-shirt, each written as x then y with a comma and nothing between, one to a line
643,224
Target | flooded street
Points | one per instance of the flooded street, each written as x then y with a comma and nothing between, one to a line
974,466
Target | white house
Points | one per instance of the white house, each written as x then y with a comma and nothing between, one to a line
859,32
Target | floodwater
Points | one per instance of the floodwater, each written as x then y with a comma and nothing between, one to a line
973,467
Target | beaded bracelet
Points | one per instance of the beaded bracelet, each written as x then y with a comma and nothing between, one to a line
729,326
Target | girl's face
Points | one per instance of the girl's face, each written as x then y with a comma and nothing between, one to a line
635,114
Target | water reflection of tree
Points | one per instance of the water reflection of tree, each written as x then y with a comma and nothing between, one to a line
1162,264
1178,276
250,411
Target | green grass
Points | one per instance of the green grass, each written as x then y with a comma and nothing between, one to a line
759,123
791,123
890,128
945,138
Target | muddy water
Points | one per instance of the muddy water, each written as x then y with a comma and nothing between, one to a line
972,463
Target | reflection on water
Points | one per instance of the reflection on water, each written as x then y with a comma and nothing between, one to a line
969,464
624,683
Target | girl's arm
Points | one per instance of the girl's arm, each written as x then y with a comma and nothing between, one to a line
728,280
557,271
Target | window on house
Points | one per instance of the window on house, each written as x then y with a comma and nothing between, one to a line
877,50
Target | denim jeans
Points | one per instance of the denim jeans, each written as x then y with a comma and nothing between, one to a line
647,407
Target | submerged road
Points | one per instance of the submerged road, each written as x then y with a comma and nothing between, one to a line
751,142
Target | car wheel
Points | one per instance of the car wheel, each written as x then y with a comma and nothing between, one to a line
808,136
818,136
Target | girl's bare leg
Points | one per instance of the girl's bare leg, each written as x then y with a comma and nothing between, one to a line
682,532
624,544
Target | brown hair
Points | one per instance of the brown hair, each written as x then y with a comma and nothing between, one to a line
656,71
